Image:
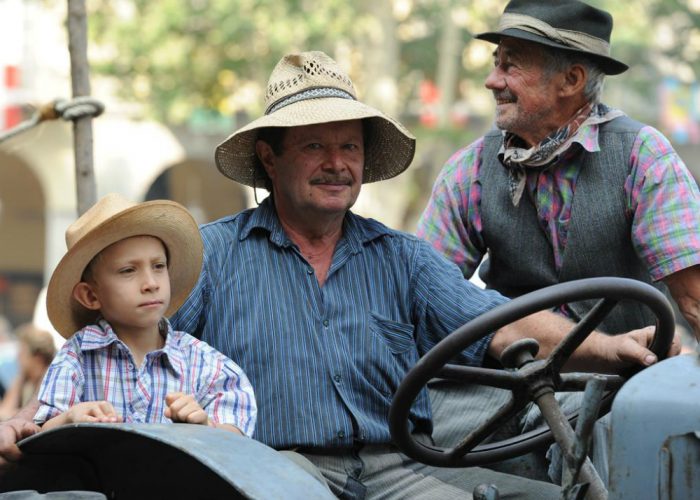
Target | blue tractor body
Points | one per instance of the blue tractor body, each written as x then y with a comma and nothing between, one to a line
655,433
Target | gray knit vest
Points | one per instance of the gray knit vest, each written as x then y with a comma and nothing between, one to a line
520,257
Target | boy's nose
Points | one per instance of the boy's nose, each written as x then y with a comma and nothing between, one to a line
150,282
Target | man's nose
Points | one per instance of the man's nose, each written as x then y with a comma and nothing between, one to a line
334,159
495,80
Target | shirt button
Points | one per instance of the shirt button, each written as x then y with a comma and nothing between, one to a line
336,377
341,434
309,271
325,322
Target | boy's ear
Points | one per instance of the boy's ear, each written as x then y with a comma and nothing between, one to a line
86,297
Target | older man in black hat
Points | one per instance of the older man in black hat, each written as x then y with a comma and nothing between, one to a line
567,187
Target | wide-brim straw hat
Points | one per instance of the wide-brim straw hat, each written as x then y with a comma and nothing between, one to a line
308,89
111,219
570,25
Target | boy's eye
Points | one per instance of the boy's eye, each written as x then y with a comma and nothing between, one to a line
126,270
160,265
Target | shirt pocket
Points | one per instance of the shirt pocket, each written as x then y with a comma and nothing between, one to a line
398,337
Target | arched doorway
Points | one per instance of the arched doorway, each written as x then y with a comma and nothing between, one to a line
201,188
23,234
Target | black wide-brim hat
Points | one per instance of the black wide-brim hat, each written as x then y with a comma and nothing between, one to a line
564,24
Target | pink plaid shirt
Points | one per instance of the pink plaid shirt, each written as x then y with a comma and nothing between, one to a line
662,201
94,365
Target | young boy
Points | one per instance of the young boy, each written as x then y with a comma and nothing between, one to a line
127,267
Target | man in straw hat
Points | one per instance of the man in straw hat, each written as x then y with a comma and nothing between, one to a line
568,188
325,310
127,267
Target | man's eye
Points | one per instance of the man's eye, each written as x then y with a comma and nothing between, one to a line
126,270
314,146
160,266
504,65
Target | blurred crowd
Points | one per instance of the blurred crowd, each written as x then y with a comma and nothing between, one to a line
25,354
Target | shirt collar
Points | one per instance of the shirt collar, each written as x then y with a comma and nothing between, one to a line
355,232
587,134
98,336
102,334
265,217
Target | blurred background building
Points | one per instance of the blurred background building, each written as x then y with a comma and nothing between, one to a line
139,158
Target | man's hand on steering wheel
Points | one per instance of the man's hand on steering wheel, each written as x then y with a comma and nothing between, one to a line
632,349
598,353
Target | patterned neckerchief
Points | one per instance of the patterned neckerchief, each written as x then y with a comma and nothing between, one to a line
517,158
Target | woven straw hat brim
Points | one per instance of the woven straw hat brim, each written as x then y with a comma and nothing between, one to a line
388,152
166,220
608,65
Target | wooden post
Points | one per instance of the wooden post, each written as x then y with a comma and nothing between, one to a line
82,127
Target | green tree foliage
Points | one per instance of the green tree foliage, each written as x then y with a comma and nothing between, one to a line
678,34
179,56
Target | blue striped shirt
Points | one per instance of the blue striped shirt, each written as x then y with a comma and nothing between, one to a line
94,365
326,361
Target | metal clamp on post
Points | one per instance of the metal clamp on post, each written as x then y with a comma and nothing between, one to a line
78,107
69,110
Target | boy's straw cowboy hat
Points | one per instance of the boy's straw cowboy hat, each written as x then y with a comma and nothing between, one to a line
564,24
111,219
310,88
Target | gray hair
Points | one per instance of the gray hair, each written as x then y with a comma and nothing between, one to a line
560,60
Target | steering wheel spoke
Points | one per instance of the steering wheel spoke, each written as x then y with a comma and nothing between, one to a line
578,334
500,379
507,411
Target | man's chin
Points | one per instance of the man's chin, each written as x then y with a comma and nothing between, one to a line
502,123
336,206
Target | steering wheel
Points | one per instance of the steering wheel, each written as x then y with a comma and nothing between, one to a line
526,378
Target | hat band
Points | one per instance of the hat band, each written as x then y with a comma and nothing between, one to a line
573,39
309,94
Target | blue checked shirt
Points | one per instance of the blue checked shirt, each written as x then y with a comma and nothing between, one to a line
326,361
94,365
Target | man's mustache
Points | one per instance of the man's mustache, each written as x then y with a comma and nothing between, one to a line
504,95
332,179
